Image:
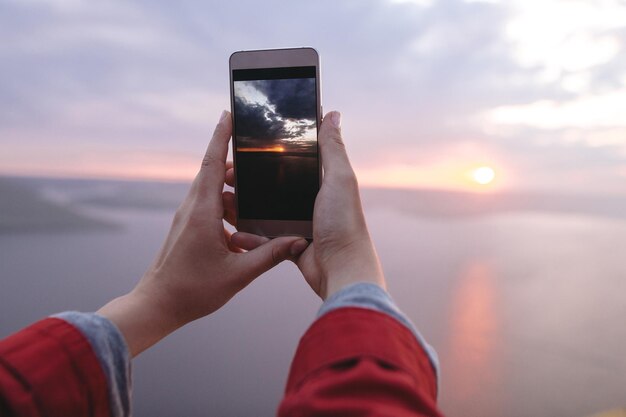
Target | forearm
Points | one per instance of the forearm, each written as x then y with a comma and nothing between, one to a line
142,320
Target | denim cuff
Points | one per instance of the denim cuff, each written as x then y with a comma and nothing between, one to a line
374,297
112,352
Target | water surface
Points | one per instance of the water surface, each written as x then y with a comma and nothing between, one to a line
525,307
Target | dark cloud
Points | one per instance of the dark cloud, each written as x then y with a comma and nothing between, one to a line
292,98
257,121
288,100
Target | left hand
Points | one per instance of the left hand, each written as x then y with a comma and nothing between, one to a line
198,269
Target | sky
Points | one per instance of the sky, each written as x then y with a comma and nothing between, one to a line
429,89
276,115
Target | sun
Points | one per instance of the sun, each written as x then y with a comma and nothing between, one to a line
483,175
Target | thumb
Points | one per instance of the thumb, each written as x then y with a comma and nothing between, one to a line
270,254
332,148
213,168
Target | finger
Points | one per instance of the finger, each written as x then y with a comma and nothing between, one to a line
232,247
213,169
333,151
269,254
307,264
229,174
230,177
230,215
248,241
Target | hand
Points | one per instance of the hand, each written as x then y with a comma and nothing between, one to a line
199,268
342,252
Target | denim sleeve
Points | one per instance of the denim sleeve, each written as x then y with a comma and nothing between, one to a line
372,296
112,353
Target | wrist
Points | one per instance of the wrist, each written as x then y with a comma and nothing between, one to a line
351,267
338,283
140,318
353,273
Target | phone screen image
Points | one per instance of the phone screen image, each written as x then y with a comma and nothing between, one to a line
275,136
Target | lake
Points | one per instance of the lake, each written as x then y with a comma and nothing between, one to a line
525,306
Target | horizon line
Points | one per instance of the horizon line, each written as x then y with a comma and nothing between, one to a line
403,187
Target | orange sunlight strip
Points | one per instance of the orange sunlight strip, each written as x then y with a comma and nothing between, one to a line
272,149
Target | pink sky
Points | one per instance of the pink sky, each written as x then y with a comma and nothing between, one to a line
430,90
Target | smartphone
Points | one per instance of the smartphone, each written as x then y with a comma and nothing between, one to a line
276,110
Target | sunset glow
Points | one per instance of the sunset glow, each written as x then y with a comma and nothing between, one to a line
548,88
483,175
271,149
460,167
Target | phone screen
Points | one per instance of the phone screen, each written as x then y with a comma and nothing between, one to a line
275,136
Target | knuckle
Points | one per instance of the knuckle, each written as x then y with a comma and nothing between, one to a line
210,160
183,211
178,217
276,256
196,220
346,178
201,211
355,181
220,130
335,138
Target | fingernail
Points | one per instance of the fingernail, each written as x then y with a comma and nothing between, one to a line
223,116
335,118
298,247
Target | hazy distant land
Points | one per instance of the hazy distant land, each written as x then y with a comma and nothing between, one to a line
434,203
23,208
29,204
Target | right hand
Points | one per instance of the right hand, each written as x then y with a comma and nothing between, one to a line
342,252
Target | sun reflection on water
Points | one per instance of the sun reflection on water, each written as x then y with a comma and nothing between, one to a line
471,353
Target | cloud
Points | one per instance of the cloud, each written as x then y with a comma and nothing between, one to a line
564,36
410,78
291,98
271,110
257,122
590,111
